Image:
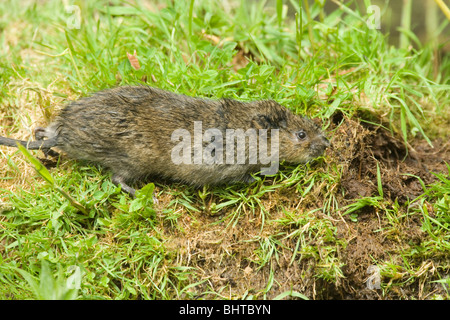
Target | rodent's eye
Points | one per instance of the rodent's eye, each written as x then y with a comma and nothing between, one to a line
301,135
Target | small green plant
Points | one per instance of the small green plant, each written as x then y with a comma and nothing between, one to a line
51,287
43,172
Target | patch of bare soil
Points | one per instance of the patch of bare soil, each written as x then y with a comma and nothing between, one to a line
360,147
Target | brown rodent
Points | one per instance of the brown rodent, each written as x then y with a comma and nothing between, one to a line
140,131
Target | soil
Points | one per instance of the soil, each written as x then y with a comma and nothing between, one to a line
401,168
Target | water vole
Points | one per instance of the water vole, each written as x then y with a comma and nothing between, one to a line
142,131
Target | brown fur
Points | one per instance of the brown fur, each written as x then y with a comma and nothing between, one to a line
128,130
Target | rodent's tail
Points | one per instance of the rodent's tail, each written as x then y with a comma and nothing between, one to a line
30,145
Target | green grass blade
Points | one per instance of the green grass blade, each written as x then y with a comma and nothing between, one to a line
38,166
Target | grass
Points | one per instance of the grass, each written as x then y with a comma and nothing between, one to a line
297,234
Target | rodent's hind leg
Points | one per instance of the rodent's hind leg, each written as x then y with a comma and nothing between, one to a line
40,134
119,180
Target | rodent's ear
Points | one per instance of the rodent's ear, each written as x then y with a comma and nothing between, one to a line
270,122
